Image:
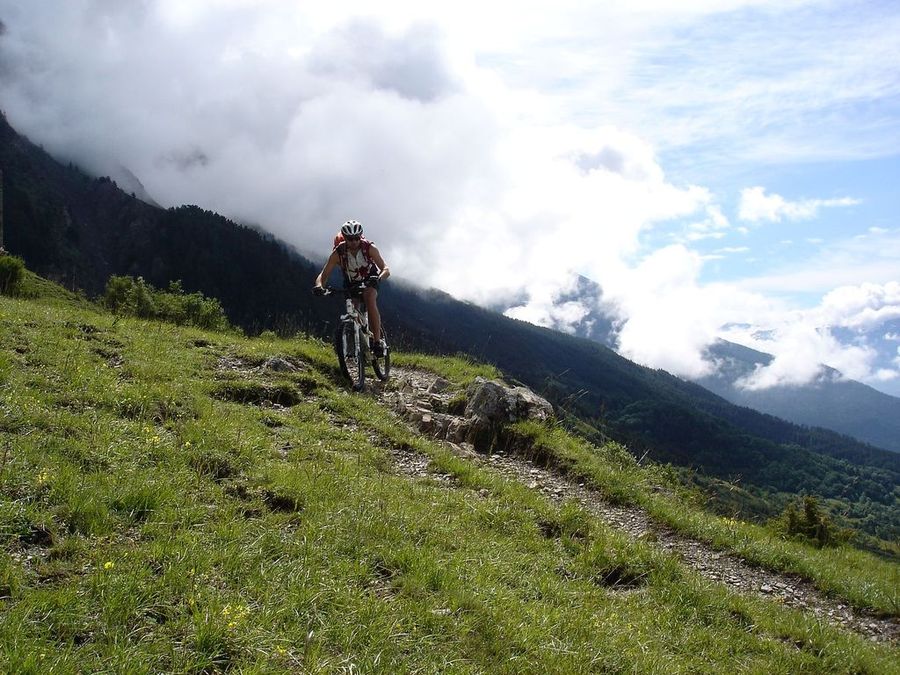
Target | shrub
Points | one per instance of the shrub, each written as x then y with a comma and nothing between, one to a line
134,296
804,519
12,269
128,295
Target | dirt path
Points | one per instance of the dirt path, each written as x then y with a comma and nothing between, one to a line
418,397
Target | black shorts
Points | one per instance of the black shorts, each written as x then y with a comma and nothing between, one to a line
357,292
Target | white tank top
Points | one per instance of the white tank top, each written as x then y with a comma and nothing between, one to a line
357,265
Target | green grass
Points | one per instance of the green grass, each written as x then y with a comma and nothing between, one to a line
860,578
460,369
159,514
33,286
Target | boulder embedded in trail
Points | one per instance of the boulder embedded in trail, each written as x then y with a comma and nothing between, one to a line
497,403
492,405
279,365
423,399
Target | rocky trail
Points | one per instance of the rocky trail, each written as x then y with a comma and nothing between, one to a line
424,401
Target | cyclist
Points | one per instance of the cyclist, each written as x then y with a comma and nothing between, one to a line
360,261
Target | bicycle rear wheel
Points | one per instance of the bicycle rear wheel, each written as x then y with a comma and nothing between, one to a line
382,364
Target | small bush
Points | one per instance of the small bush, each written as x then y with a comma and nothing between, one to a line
134,296
12,269
804,519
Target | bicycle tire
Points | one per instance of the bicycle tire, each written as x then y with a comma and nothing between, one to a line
360,384
345,349
382,364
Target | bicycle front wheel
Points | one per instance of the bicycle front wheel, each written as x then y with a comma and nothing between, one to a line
346,350
360,362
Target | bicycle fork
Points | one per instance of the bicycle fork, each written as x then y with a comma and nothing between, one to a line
357,319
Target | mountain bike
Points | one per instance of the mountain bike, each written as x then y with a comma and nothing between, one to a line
353,341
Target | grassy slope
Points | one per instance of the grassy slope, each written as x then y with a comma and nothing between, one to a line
149,522
861,578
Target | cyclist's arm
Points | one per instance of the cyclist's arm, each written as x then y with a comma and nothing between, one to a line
332,262
378,260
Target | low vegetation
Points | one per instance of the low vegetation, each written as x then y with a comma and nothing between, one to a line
135,297
166,506
804,520
12,269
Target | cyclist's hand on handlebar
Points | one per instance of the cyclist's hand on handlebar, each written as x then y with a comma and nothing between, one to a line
320,291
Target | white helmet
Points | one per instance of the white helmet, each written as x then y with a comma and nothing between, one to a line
352,228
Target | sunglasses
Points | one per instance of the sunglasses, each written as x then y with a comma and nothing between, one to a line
356,238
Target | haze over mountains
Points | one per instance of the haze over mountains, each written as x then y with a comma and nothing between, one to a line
830,400
79,230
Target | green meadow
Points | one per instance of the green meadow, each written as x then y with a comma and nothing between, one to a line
169,505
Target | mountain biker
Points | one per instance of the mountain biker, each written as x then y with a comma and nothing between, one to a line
360,261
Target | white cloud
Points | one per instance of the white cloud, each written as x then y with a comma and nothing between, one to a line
667,318
801,352
804,341
756,206
885,375
862,307
297,119
561,316
714,226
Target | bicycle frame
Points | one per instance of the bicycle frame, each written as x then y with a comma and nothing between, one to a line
359,316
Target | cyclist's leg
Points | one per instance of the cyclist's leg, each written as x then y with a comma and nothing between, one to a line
370,295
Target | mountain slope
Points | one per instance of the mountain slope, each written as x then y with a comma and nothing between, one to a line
81,230
833,402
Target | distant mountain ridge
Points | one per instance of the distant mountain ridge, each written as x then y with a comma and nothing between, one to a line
831,402
79,230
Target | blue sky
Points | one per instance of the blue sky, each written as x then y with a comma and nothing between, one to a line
796,242
709,163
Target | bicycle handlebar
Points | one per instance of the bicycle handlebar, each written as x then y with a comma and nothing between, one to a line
355,288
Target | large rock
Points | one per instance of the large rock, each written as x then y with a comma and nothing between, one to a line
491,405
423,399
494,402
